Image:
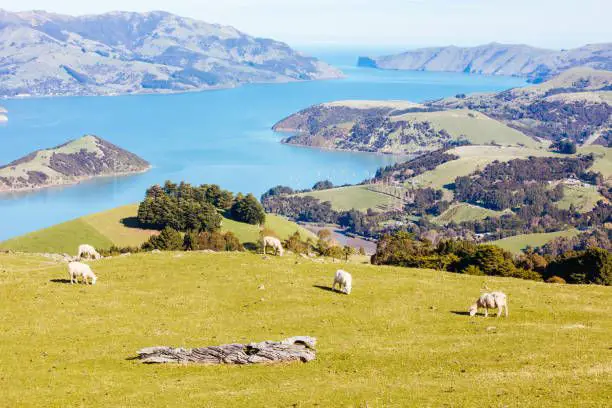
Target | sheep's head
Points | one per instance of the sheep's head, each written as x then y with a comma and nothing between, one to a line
93,280
347,289
473,309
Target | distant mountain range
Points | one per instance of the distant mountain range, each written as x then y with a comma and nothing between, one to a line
536,64
44,54
77,160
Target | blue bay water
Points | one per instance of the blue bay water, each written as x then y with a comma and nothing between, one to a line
221,137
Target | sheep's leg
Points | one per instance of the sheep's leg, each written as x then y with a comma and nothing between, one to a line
499,311
486,312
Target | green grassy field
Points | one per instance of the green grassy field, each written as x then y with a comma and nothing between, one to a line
104,229
519,242
603,159
478,128
583,198
398,340
357,197
250,233
465,212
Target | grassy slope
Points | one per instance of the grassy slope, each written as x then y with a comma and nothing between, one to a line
357,197
603,159
60,238
105,229
478,128
471,159
250,233
465,212
393,342
109,224
583,198
519,242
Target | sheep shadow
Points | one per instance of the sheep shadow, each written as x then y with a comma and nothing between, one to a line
328,289
460,313
64,281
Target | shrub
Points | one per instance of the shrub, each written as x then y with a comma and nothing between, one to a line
217,241
232,243
473,270
295,244
190,241
115,250
556,279
168,240
334,251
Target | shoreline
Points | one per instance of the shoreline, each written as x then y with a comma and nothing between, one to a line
172,92
331,149
79,180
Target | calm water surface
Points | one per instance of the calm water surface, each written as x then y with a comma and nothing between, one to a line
221,137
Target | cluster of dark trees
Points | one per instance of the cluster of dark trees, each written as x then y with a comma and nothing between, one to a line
518,182
592,265
564,120
184,207
564,146
170,239
402,171
299,208
595,238
554,120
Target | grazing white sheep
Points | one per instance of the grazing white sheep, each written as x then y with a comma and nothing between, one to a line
88,250
274,243
490,301
76,269
344,280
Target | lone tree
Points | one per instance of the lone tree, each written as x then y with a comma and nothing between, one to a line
248,209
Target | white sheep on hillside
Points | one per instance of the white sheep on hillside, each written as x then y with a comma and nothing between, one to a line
344,280
490,301
274,243
76,269
88,250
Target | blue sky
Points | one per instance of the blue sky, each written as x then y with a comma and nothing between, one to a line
404,23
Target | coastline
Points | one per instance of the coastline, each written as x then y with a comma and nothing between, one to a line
332,149
171,92
72,182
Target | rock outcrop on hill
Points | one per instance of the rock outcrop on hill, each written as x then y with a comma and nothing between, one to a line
77,160
537,64
44,54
